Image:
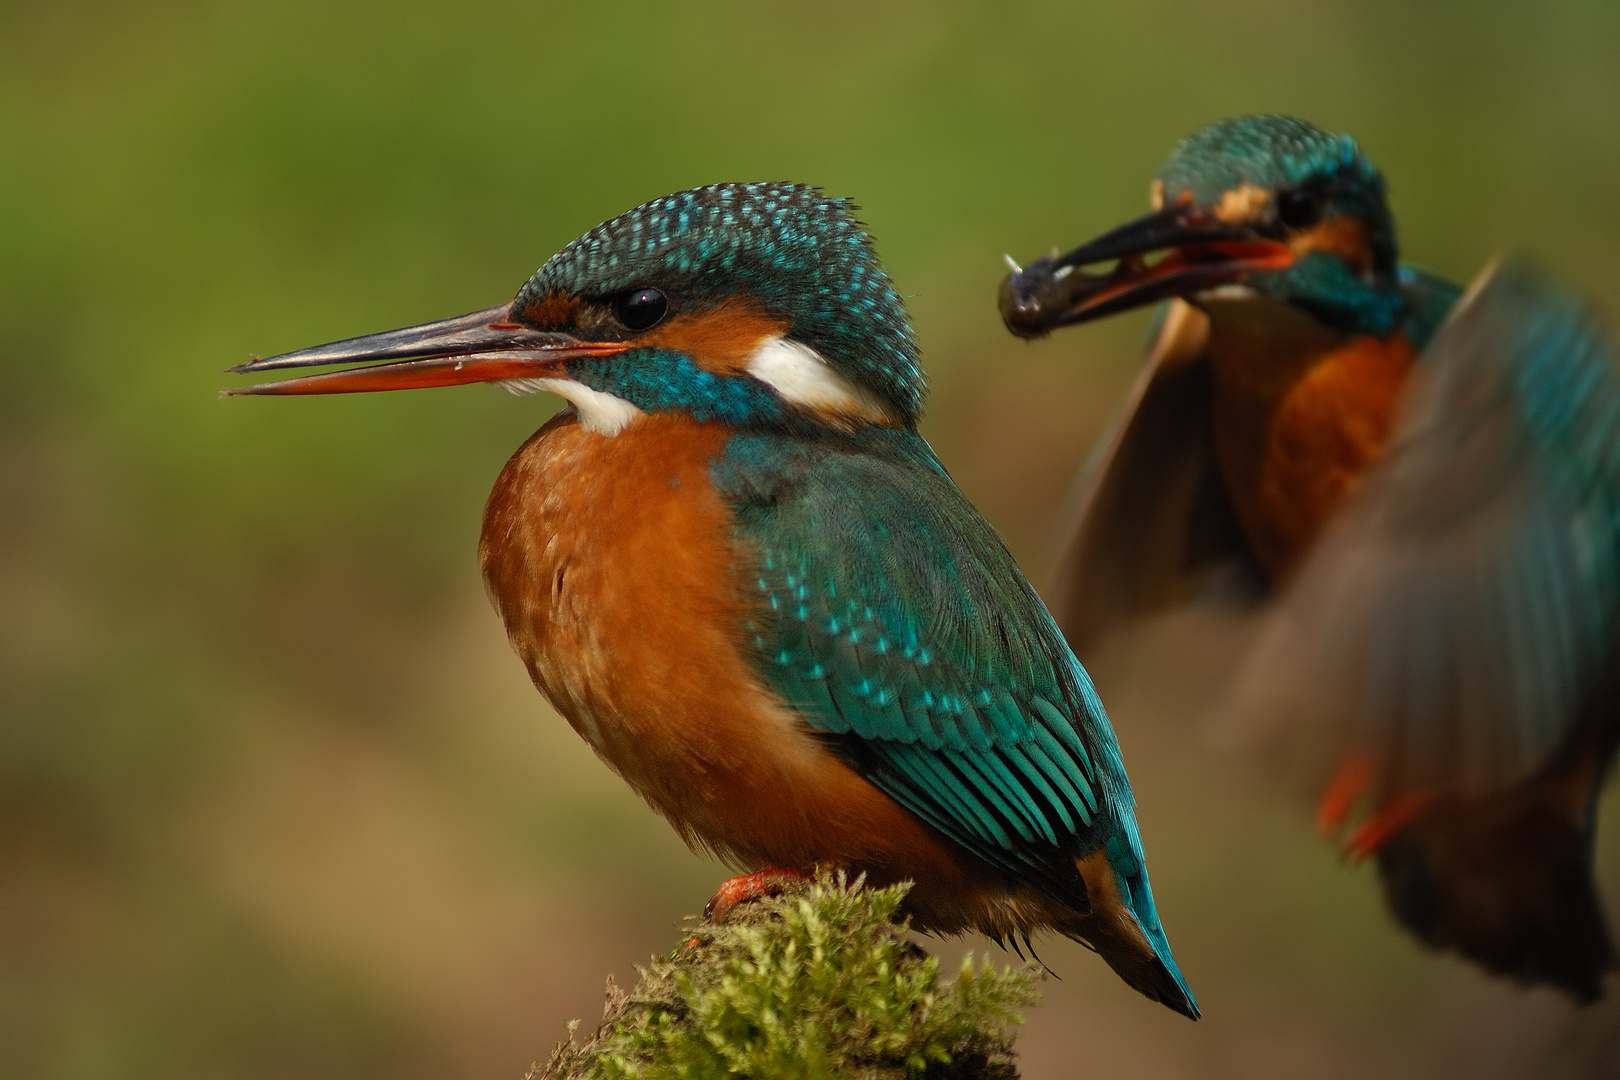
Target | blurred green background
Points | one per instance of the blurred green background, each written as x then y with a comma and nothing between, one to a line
276,800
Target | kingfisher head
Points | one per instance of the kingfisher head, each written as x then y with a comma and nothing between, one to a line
758,306
1264,205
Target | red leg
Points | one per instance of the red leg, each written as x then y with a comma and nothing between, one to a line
767,881
1390,819
1347,785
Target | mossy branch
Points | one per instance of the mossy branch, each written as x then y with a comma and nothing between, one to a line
815,984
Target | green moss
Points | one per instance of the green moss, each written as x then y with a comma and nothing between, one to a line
816,983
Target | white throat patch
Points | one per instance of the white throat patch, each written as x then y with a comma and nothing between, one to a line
804,378
599,412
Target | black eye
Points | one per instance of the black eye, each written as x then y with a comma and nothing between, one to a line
641,309
1299,209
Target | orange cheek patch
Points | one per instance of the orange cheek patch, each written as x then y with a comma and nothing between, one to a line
553,309
721,338
1345,237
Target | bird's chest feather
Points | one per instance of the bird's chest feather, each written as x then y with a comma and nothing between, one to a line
612,562
614,565
1301,411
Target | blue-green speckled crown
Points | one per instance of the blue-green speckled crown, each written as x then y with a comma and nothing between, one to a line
1280,152
1271,152
787,246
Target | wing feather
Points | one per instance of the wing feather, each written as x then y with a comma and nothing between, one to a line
1455,617
1152,525
895,623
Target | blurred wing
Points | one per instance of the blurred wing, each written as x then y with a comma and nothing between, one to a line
1152,526
897,624
1455,615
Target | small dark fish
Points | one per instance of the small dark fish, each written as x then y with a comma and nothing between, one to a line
1032,298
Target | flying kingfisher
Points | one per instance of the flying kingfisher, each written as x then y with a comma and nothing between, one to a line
1423,482
736,568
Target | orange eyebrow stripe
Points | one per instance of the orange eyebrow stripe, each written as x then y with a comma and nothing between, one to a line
721,338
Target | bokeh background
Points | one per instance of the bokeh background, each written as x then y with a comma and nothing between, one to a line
276,800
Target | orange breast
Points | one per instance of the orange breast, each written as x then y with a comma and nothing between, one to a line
612,562
1301,412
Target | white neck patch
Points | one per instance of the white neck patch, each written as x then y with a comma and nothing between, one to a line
804,378
599,412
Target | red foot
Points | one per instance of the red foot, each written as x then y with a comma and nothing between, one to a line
1391,819
1347,785
764,882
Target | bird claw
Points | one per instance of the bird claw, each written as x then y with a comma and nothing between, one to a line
768,881
1376,830
1347,784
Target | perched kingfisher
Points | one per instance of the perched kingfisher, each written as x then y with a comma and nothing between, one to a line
736,568
1424,483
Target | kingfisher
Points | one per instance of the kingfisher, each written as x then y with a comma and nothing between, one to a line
735,567
1420,488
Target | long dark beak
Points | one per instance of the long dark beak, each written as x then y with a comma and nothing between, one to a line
484,346
1198,253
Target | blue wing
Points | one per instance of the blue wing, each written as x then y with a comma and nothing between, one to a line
1459,611
899,627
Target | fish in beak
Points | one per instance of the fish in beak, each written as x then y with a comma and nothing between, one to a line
1177,251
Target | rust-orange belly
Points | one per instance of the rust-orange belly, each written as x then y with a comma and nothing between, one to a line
1300,413
612,562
